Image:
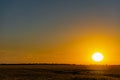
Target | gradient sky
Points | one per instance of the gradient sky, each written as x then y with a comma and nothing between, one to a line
59,31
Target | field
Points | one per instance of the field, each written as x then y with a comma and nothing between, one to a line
59,72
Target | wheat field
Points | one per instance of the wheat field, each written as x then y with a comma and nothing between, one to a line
59,72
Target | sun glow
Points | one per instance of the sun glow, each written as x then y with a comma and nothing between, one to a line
97,57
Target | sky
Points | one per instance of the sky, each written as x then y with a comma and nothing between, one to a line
59,31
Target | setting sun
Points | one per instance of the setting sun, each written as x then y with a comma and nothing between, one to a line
97,57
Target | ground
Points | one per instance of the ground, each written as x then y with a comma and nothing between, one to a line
59,72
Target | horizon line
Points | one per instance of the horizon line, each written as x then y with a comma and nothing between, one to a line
54,64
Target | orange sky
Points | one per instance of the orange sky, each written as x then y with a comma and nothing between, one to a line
59,31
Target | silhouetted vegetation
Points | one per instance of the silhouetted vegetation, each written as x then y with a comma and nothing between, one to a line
58,72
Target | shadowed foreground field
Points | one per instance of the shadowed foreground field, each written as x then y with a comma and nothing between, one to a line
59,72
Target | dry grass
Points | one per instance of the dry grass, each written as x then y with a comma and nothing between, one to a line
59,72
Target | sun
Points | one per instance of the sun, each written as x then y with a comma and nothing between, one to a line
97,57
